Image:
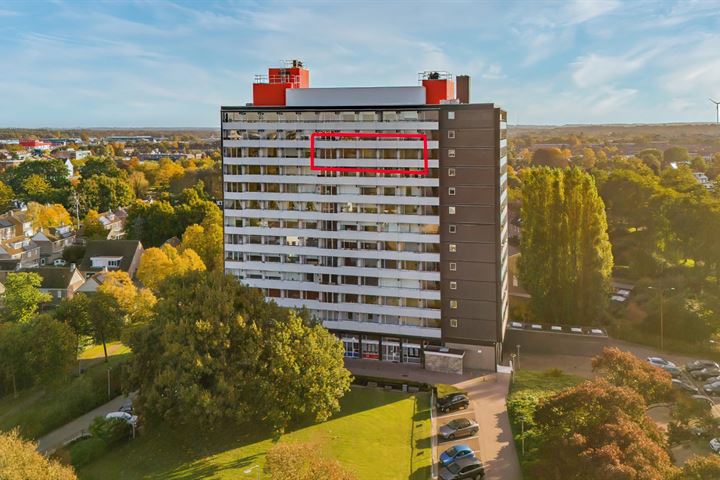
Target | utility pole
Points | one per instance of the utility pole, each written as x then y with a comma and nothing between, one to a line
518,357
77,208
662,318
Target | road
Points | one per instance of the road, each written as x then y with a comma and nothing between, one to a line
493,443
57,438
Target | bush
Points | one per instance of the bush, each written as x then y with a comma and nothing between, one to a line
111,431
86,451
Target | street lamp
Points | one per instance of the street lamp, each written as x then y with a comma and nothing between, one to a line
249,470
662,321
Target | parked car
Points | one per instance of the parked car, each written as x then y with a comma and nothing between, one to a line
660,362
680,385
700,364
704,399
712,388
126,407
465,468
712,380
452,402
131,419
460,427
715,445
674,372
455,453
705,373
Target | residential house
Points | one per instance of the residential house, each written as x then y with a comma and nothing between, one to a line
111,255
114,223
16,243
93,282
60,282
53,241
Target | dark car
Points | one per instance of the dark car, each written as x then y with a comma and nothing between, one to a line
705,373
464,468
700,364
452,402
674,372
680,385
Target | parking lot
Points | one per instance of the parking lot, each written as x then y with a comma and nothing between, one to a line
493,444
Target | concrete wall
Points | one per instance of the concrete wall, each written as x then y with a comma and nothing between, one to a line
552,343
443,363
477,357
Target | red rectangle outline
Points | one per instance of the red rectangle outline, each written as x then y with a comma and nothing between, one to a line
422,136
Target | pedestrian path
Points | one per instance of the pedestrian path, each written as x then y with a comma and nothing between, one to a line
68,432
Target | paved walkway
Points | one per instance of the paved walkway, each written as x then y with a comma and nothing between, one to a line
56,439
487,391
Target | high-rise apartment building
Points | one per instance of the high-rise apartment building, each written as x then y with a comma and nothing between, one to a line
383,210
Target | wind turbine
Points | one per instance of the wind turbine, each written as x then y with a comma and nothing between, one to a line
717,109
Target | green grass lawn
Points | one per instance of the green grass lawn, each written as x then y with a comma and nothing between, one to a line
42,409
377,434
527,389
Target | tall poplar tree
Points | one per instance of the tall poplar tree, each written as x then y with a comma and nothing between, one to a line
566,257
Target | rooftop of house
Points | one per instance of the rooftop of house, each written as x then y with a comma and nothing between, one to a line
54,277
110,248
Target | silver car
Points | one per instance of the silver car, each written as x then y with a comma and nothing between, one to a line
460,427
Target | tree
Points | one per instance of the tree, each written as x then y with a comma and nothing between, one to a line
167,171
207,241
50,183
675,155
301,461
20,460
216,351
700,468
7,196
103,193
566,254
151,223
48,216
600,431
157,264
139,184
28,360
623,369
23,296
37,188
550,157
99,166
93,229
76,312
117,303
50,359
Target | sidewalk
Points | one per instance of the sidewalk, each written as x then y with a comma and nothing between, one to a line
56,439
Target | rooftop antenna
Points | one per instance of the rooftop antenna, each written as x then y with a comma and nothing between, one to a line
717,109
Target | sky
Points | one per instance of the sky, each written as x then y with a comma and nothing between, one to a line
160,63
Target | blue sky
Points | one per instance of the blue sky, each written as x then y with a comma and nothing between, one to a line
160,63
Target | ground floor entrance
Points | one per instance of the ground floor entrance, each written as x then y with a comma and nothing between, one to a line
383,348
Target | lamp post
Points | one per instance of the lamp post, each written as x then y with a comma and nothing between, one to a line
249,470
662,319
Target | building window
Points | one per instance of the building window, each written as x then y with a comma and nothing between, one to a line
451,115
453,285
452,228
451,210
451,153
451,133
453,322
453,304
451,191
452,248
451,172
452,266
